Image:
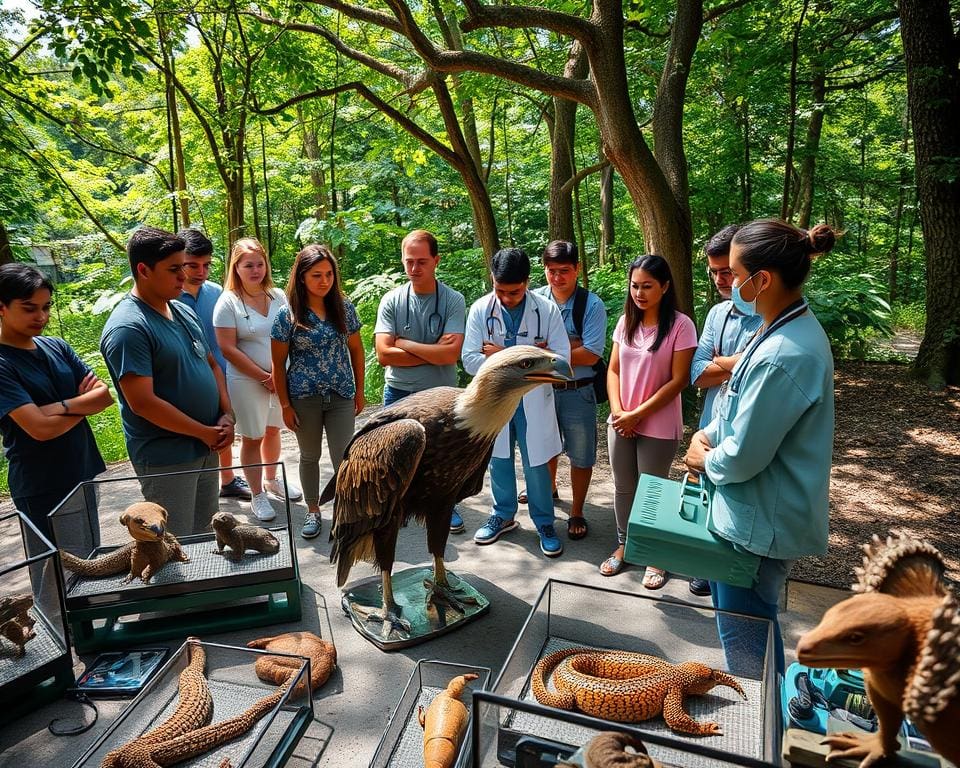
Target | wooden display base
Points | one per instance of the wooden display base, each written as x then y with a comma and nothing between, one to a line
207,612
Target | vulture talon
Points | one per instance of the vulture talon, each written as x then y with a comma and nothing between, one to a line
394,627
445,595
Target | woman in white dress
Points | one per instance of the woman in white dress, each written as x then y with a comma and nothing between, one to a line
242,320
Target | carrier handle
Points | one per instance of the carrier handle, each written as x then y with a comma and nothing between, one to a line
691,478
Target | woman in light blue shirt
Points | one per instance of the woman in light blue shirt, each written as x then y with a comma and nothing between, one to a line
768,450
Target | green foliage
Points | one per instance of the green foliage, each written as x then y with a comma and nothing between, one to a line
850,307
912,317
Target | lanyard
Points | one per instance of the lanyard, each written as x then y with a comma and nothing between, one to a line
790,313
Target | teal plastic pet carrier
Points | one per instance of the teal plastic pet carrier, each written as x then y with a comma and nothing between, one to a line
670,527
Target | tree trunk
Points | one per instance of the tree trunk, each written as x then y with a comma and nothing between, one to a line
811,148
898,217
6,252
607,231
792,116
746,196
933,88
311,150
181,186
562,142
664,220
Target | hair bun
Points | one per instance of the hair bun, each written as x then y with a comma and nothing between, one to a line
821,239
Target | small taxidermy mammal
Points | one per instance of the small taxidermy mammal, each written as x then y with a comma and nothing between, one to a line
152,547
241,537
903,631
16,624
444,723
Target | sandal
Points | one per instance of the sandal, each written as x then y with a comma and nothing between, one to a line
654,578
522,497
611,566
579,522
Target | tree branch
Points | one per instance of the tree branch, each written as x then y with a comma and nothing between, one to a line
427,139
464,61
384,68
582,174
525,16
715,13
361,14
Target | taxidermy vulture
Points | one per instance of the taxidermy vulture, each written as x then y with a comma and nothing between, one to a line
416,459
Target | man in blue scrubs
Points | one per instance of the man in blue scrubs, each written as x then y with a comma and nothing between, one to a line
174,406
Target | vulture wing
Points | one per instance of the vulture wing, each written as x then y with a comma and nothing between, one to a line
370,483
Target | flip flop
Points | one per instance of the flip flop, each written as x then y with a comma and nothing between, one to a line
577,520
654,578
611,566
522,496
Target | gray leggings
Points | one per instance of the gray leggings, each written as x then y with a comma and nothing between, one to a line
316,414
631,457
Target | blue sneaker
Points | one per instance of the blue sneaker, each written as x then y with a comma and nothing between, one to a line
456,521
311,525
549,541
493,529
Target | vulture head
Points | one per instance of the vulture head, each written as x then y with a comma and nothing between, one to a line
491,398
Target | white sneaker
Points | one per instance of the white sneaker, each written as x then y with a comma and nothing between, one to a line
262,508
278,489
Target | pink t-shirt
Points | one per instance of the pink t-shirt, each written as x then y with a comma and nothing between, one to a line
643,372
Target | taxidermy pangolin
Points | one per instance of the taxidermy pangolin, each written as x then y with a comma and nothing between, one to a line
904,633
417,459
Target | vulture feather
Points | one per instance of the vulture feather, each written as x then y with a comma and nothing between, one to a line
416,459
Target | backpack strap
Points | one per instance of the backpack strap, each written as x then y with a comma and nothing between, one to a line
579,309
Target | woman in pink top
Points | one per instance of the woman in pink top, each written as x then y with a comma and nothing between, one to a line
653,345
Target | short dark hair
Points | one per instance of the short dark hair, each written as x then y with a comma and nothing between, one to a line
780,247
197,243
148,245
21,281
561,252
719,244
510,265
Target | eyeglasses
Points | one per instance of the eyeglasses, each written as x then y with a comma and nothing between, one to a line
715,273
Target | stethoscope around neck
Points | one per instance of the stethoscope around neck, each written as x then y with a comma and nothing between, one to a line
435,324
495,325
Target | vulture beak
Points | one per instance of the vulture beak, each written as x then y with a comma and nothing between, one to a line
558,373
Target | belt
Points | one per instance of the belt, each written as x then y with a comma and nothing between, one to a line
576,384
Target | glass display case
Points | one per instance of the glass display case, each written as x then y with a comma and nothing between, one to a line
35,661
210,587
569,615
573,735
401,745
252,724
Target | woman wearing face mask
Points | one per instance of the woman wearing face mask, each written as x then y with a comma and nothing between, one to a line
768,449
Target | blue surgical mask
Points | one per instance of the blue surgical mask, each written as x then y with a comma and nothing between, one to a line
749,308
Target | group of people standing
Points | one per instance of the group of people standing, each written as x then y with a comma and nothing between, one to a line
194,364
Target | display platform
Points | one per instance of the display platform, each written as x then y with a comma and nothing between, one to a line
35,662
402,743
426,622
567,615
234,688
210,592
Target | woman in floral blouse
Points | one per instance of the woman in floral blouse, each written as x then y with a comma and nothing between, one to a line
318,364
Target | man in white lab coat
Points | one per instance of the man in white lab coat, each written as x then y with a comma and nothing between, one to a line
510,315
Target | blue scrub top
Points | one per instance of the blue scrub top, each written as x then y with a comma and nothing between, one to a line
47,374
204,305
773,438
139,340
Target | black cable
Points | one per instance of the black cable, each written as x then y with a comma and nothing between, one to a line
81,697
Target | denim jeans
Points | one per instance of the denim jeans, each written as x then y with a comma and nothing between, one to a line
392,394
503,479
577,419
744,641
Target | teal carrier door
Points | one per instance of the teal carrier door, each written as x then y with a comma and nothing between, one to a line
670,527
